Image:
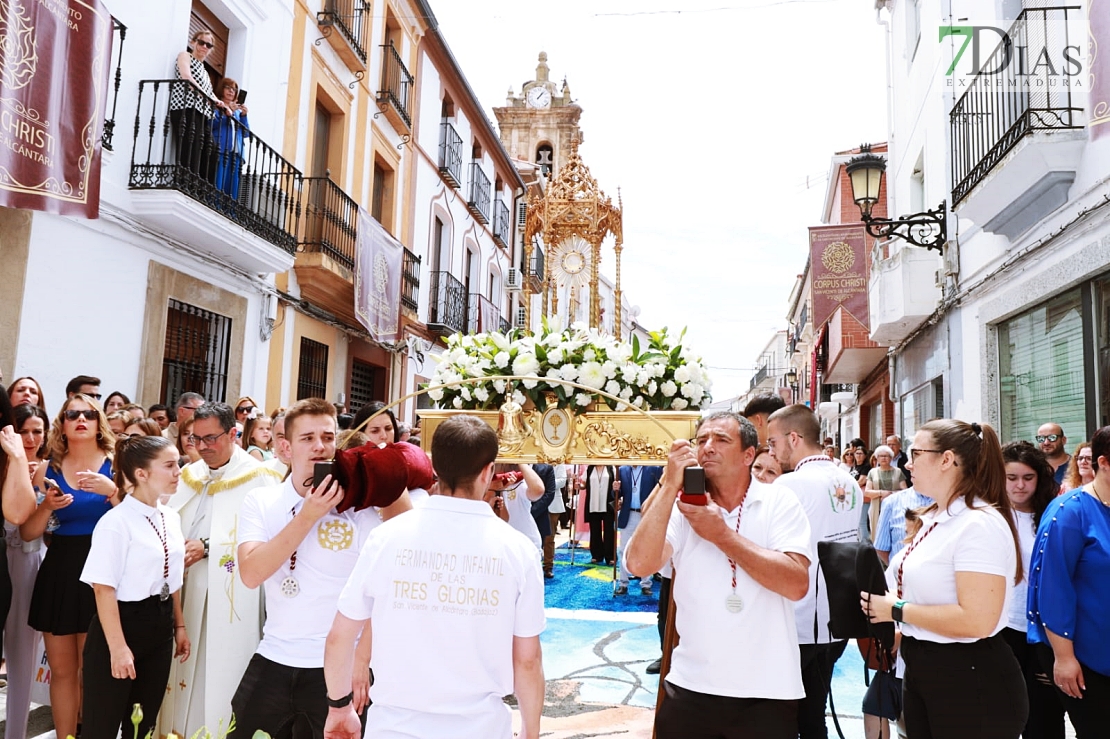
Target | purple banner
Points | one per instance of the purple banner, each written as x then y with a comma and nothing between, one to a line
378,279
1099,61
54,64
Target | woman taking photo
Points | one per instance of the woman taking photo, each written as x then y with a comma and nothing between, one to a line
950,588
1030,486
1069,602
80,492
135,567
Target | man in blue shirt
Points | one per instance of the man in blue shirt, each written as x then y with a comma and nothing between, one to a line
636,485
1050,437
890,533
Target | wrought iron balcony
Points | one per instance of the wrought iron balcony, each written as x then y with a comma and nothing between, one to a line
110,121
447,306
502,224
759,377
450,154
346,16
478,199
330,223
505,327
827,391
395,93
410,281
483,315
533,269
1012,98
228,169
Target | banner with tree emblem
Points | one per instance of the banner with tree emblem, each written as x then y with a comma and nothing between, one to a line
378,279
54,67
838,258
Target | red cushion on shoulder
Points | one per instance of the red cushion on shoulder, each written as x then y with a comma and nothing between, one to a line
376,477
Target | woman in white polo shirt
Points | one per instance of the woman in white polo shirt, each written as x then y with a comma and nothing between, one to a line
135,567
950,589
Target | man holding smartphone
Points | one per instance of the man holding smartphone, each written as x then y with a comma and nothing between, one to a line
294,544
739,562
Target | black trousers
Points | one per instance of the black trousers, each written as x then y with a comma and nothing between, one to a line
958,691
108,701
664,607
603,536
1046,710
817,667
280,700
686,714
196,147
1090,716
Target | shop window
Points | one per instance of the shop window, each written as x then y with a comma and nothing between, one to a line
1041,374
312,370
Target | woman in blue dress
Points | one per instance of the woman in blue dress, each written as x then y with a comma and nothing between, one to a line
79,490
230,127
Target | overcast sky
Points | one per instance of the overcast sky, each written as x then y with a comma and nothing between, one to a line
716,119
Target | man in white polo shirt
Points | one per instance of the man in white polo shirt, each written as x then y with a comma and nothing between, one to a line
832,502
294,544
454,598
739,561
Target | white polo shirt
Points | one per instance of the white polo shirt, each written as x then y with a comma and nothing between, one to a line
520,513
127,552
296,627
964,540
447,587
753,653
832,501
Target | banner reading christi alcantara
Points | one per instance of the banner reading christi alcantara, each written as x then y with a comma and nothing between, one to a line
55,57
378,279
838,262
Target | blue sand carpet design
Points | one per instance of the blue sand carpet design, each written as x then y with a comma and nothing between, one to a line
583,586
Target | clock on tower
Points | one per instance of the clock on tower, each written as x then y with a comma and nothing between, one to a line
539,124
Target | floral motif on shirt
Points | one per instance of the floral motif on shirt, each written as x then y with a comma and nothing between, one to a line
335,535
843,498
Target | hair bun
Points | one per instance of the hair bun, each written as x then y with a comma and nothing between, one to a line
977,429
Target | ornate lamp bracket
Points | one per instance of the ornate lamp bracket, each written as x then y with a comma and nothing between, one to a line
928,229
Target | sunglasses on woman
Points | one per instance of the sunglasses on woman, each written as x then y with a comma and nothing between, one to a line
89,415
206,44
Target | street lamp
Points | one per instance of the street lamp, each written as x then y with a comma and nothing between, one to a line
928,229
792,381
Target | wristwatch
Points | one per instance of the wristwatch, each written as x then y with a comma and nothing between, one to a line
341,702
205,543
896,610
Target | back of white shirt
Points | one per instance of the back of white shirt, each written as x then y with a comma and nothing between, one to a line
832,501
520,513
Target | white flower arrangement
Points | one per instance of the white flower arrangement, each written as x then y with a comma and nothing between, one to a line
664,375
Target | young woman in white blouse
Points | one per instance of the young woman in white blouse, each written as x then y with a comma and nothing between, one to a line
950,589
135,567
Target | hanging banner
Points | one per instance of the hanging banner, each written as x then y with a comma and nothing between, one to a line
838,259
54,67
378,279
1098,51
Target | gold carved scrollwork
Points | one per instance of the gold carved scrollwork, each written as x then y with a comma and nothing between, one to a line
603,439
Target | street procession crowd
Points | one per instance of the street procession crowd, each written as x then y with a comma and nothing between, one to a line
313,572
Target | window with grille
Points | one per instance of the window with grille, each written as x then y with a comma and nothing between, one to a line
362,385
312,374
196,355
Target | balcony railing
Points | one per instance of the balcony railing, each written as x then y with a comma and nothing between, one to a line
110,121
534,268
759,377
330,223
224,167
827,390
450,154
478,199
410,281
502,225
505,326
447,304
347,16
483,315
1013,96
396,89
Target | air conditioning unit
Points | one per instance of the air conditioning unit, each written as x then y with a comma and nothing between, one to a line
521,318
512,280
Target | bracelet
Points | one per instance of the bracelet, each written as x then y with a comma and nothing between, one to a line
205,543
341,702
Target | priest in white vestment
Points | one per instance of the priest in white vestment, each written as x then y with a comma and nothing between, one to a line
223,617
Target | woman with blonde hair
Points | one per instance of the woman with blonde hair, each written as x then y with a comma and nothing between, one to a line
193,104
1080,469
79,477
950,590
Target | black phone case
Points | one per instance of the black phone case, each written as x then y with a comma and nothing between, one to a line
320,471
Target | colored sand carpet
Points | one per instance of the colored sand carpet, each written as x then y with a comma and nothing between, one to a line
585,586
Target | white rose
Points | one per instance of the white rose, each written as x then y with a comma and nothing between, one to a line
591,375
658,369
501,359
639,401
481,394
612,387
555,356
583,399
652,387
464,391
499,386
519,398
626,393
610,369
682,375
526,364
644,376
678,404
589,355
436,394
669,389
568,372
457,402
696,373
529,383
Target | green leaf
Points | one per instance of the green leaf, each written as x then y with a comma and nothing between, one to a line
635,347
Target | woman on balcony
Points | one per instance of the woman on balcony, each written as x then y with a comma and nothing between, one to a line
230,129
192,107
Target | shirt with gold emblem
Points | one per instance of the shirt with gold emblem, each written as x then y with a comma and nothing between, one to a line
302,599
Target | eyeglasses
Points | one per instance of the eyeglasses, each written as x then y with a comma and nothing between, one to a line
206,44
244,409
771,439
207,440
1050,437
915,453
1084,458
94,396
89,415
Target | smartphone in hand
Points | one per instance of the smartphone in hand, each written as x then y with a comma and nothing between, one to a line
242,98
320,471
693,486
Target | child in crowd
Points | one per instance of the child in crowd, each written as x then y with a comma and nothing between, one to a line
258,437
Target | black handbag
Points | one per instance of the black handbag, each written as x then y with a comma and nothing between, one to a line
850,567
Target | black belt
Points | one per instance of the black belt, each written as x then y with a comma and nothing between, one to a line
635,509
